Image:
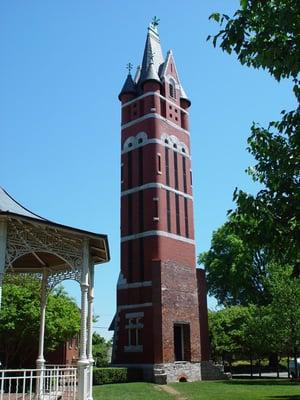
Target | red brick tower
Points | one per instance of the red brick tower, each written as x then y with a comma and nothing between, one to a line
157,324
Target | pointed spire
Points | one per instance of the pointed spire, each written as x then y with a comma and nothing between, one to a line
129,86
151,74
152,52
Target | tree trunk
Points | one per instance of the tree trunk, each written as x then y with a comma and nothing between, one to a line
251,366
273,361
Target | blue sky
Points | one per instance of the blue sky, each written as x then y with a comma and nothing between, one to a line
62,67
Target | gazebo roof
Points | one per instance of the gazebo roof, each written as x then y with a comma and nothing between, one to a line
41,235
8,205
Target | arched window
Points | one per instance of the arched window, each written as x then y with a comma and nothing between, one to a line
172,89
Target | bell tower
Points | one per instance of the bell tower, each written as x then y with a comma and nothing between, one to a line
160,296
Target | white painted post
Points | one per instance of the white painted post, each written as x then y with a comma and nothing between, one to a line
3,239
90,330
40,362
83,362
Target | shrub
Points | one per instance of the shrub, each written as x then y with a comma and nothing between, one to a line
102,376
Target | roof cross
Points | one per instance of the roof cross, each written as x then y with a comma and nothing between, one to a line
129,66
155,22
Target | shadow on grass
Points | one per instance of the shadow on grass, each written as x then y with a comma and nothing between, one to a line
264,381
285,397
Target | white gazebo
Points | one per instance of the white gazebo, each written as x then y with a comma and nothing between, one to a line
30,244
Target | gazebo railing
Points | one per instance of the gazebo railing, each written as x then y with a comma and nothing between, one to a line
51,383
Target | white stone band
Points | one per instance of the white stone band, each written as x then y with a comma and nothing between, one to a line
154,185
154,115
157,233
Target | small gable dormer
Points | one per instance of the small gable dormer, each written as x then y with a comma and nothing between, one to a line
171,82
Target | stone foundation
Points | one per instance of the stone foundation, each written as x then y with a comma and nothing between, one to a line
162,374
176,372
210,372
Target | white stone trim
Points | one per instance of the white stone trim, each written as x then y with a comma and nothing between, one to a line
154,94
138,314
154,115
157,233
134,285
136,145
154,185
130,306
133,349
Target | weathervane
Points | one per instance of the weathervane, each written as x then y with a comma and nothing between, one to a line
129,66
155,22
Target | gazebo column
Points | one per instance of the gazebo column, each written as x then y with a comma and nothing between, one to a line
90,330
3,237
83,362
40,362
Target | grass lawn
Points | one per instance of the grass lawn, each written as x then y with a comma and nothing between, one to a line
240,390
130,391
216,390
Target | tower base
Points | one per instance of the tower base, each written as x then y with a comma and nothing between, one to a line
179,371
161,374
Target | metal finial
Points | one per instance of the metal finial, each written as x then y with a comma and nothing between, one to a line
155,22
129,66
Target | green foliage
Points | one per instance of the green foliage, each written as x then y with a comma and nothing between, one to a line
19,319
263,34
266,34
272,218
227,331
259,330
285,309
102,376
101,349
235,271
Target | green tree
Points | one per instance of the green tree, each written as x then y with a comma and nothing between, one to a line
285,309
236,273
226,330
101,349
265,34
241,332
19,319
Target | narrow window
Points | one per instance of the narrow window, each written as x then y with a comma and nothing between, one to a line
167,166
191,177
129,169
129,261
141,259
134,328
184,174
141,166
158,163
172,90
129,215
141,210
155,212
168,211
177,214
176,170
186,217
182,342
